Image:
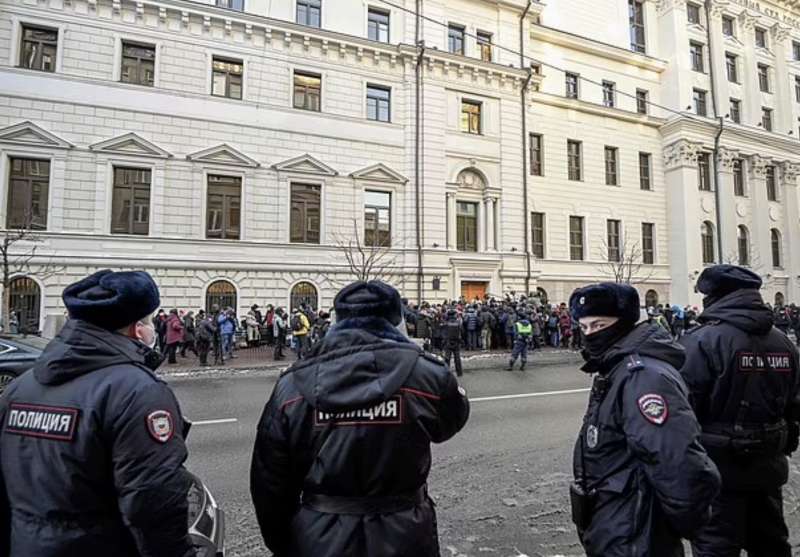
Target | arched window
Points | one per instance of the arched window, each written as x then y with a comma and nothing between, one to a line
743,241
541,293
220,294
707,238
304,293
25,301
776,247
779,300
651,299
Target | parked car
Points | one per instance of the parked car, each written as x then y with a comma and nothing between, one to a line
17,354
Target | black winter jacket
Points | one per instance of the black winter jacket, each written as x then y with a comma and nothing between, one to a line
91,453
736,354
355,419
639,449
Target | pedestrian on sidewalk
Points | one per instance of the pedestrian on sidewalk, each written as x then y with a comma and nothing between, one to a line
279,333
226,324
189,337
365,394
174,335
205,338
642,480
301,327
253,326
523,330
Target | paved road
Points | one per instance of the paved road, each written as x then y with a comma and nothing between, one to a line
500,485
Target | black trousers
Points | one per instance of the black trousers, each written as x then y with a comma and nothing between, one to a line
203,346
750,521
280,342
455,353
172,348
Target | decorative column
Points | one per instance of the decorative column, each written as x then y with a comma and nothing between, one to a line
451,220
683,214
716,57
752,95
727,204
791,228
481,228
780,86
760,244
490,225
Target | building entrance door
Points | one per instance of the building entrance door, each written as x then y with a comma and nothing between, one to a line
473,289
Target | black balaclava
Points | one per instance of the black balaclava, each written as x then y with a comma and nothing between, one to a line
597,344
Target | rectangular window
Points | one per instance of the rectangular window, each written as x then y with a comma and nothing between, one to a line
309,12
237,5
796,51
28,186
226,78
703,172
455,39
471,117
641,101
728,26
738,178
736,110
138,64
609,94
612,238
379,103
612,166
763,78
304,220
648,244
772,187
130,205
223,208
732,67
636,22
377,218
536,154
699,98
378,25
537,235
574,166
797,88
39,48
696,53
693,13
307,91
645,171
571,84
766,118
761,37
485,45
466,226
576,238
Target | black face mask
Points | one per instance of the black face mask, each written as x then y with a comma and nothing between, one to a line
596,344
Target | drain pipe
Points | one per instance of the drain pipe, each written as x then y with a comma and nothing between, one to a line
418,150
718,136
523,108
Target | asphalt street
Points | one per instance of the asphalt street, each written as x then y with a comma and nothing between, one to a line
500,485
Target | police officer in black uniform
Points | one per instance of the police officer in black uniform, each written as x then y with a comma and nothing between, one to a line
452,341
744,382
642,479
91,446
342,452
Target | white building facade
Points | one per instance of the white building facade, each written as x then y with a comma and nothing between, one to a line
231,150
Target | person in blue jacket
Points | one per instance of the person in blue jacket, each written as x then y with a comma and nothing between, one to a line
91,445
642,478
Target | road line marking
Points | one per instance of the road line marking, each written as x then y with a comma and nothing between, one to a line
530,395
216,422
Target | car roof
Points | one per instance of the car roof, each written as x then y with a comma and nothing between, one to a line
31,343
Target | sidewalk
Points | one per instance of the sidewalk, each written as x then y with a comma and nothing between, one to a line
260,359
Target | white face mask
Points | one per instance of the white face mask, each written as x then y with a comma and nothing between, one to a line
402,327
149,338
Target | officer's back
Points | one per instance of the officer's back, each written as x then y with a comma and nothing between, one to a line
89,453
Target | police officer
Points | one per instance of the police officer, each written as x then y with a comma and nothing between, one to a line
452,341
522,337
744,383
642,479
342,452
91,446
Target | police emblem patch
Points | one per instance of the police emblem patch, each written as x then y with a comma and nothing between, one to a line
159,426
462,391
592,435
582,301
654,408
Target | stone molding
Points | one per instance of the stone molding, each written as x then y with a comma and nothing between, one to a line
681,153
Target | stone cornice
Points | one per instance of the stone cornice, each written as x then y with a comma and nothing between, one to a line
726,158
693,126
681,153
603,50
596,109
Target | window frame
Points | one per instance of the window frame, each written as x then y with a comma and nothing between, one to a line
378,208
732,67
609,89
308,187
614,240
228,75
766,118
485,45
30,180
222,4
306,89
130,226
139,59
371,88
646,177
743,245
611,165
739,187
692,8
760,32
536,169
571,78
538,250
580,234
376,25
700,99
776,248
637,30
796,51
225,226
707,247
463,243
648,243
764,82
729,20
704,172
24,26
456,31
735,110
309,6
771,182
574,171
471,128
642,101
697,56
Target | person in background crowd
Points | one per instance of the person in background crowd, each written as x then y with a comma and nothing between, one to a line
174,335
782,320
472,326
552,329
508,327
300,330
206,329
452,341
13,323
226,325
488,322
268,324
565,327
160,322
522,336
253,323
279,328
189,331
796,323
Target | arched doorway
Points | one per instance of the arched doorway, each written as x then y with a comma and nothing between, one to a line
651,299
303,293
220,293
779,300
541,293
25,300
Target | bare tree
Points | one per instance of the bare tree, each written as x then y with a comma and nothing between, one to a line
18,256
367,260
624,263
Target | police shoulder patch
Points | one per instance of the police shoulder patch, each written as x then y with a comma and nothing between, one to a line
160,425
654,408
